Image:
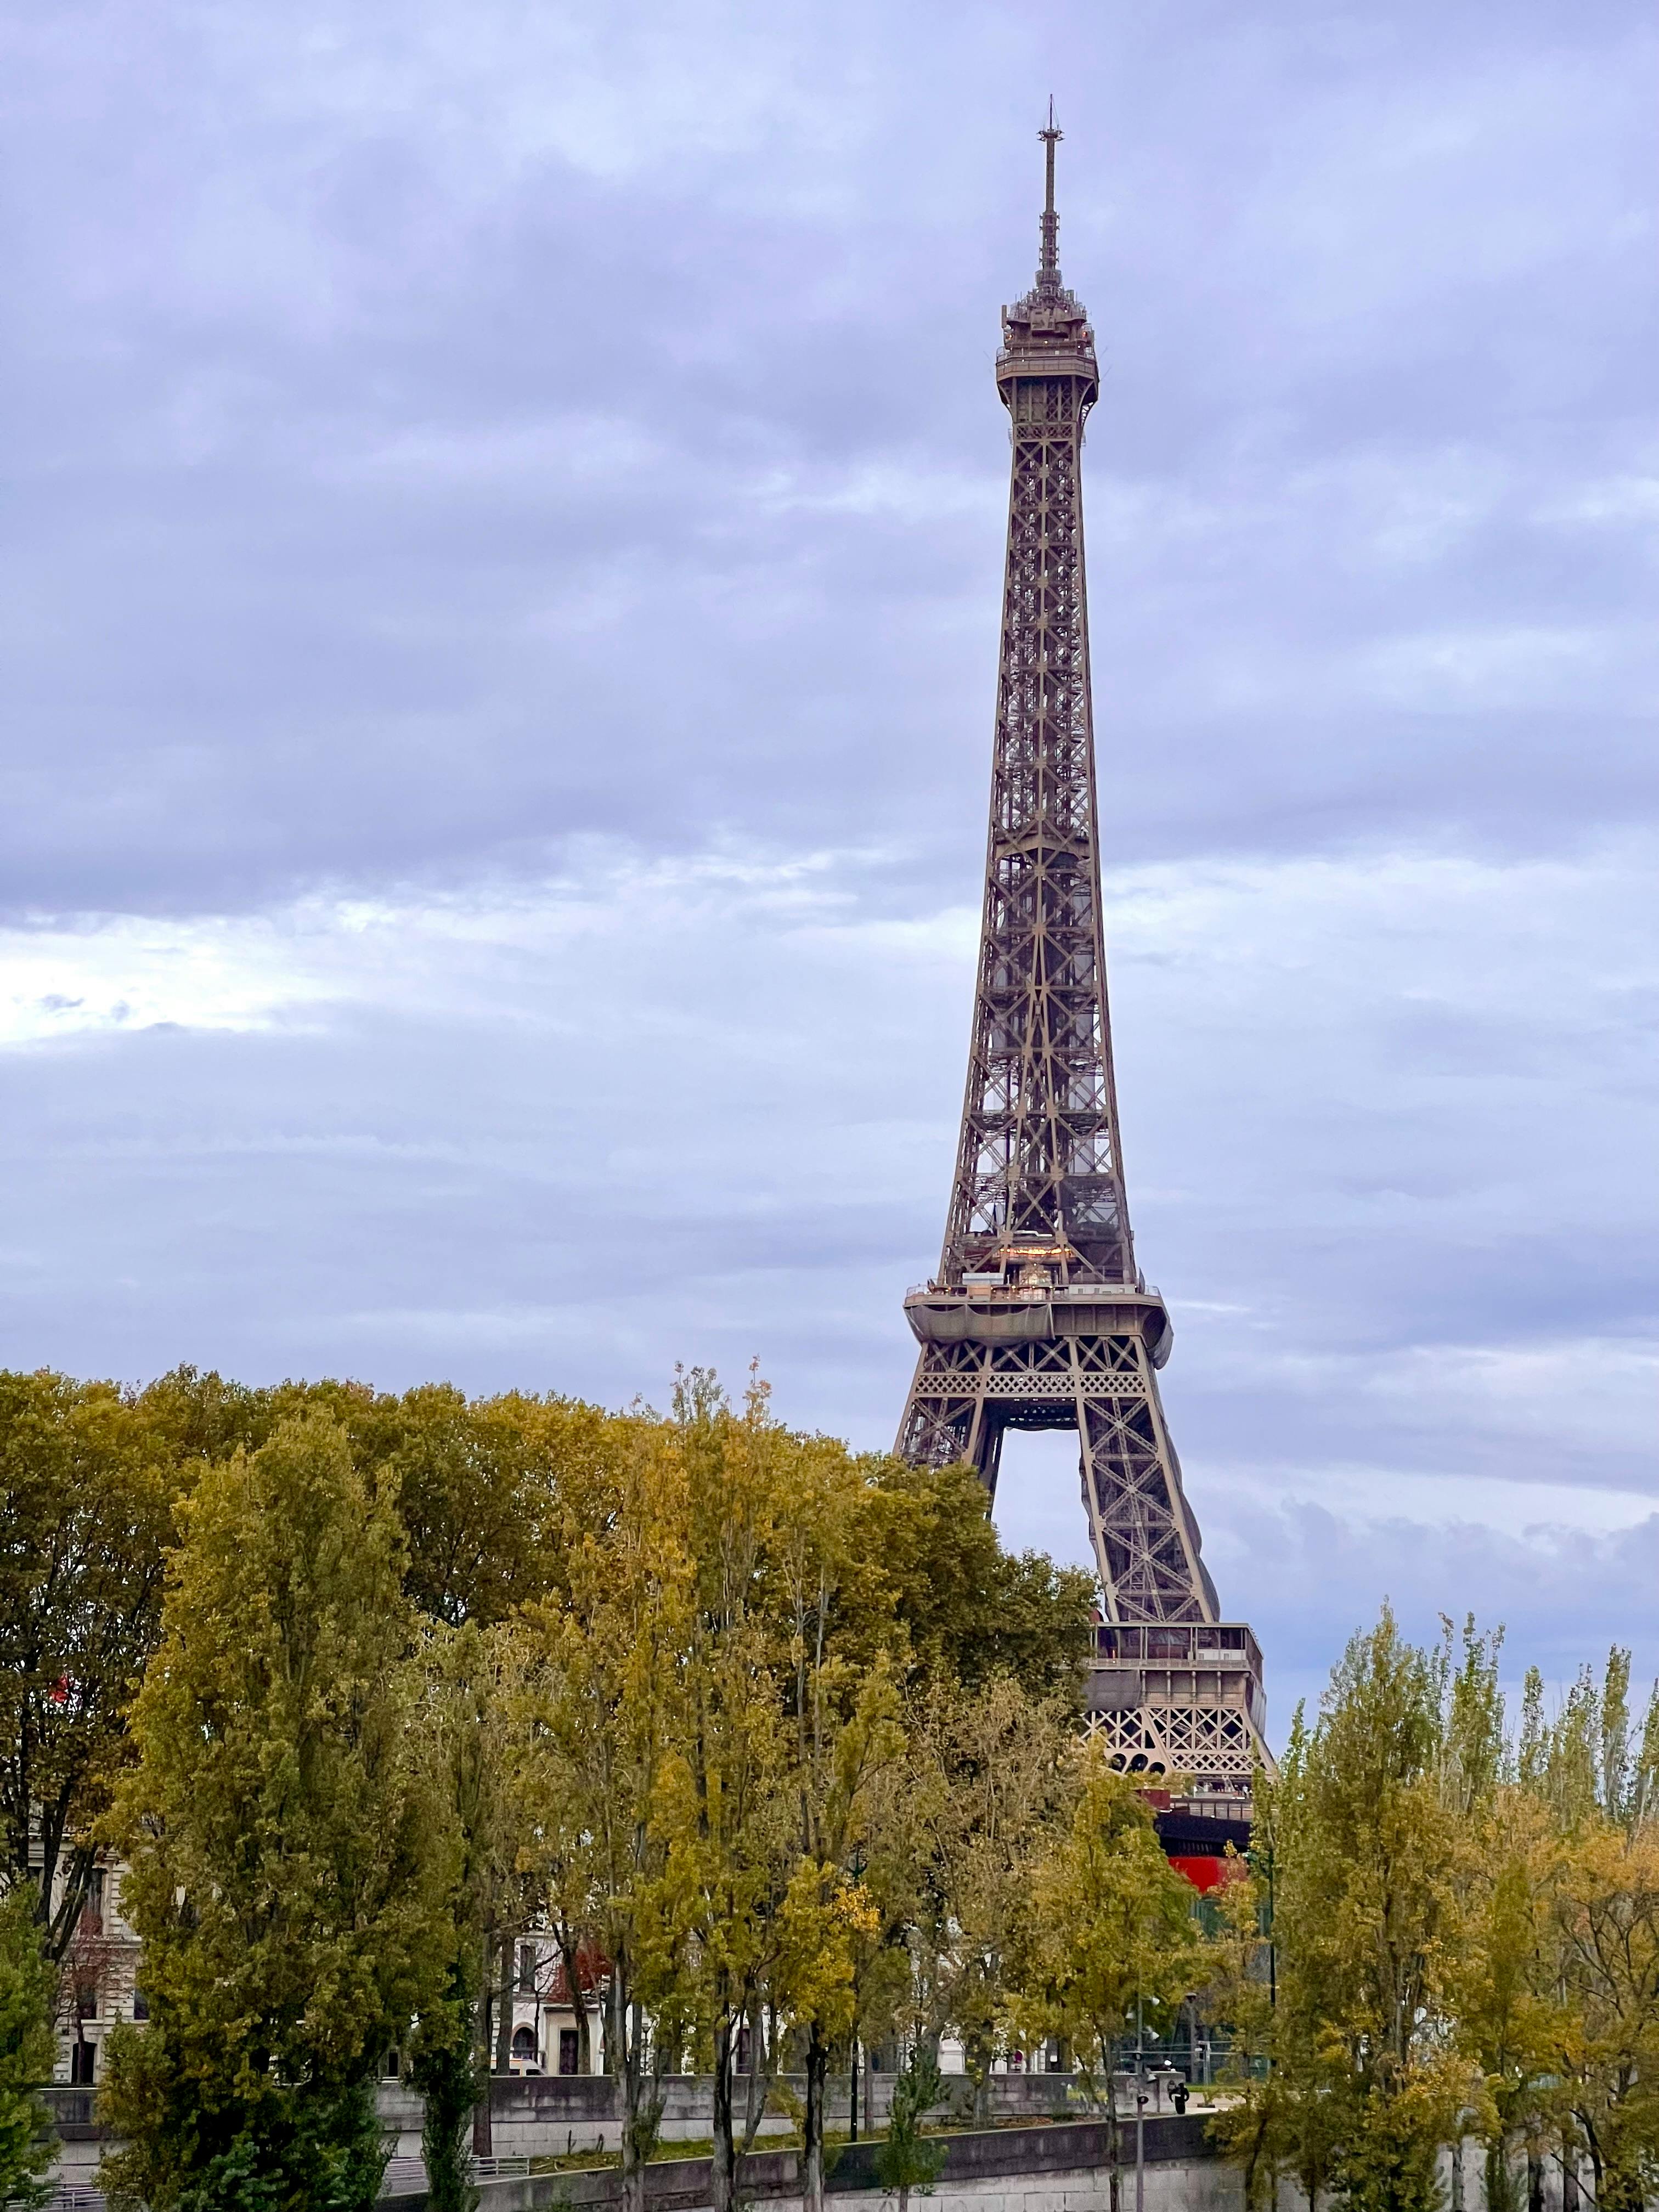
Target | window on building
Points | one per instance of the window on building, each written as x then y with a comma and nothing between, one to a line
140,2005
83,2065
86,2000
570,2050
524,2045
526,1966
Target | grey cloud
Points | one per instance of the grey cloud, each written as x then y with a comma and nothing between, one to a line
276,619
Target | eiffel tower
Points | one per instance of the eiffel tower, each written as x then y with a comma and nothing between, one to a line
1039,1317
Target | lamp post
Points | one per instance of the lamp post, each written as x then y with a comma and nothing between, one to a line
1141,2111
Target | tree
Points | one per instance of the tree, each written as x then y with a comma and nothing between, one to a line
842,1711
484,1485
1606,1917
908,2162
27,2048
1584,1821
931,1563
1270,2128
86,1482
280,1873
490,1490
1507,2000
1368,1851
444,2066
990,1780
727,1809
467,1728
1112,1936
608,1711
553,1841
827,1914
906,2159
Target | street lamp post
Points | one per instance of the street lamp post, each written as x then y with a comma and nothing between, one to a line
1141,2111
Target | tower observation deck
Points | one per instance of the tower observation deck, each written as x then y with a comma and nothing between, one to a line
1039,1317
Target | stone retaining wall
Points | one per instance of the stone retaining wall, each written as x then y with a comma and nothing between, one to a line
1060,2168
533,2115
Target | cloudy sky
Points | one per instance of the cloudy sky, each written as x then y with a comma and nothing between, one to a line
502,534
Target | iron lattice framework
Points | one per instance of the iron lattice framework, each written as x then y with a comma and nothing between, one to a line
1039,1317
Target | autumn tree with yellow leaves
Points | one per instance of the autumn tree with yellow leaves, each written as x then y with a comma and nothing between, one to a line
1451,1930
1110,1939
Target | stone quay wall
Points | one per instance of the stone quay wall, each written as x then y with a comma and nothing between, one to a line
1057,2167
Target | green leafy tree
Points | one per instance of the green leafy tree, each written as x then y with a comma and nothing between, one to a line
27,2048
1369,1858
467,1729
280,1870
606,1715
931,1563
87,1484
445,2065
490,1490
484,1485
906,2159
1270,2127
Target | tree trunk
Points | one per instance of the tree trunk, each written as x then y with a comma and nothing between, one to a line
448,2087
629,2060
978,2056
641,2109
812,2133
1457,2175
1500,2182
759,2078
1113,2185
723,2173
483,2141
1569,2197
504,2007
570,1961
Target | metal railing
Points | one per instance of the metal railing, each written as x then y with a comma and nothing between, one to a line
404,2176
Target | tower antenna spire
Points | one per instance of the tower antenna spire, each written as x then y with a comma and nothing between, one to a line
1049,261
